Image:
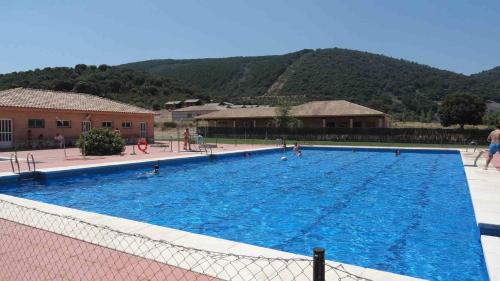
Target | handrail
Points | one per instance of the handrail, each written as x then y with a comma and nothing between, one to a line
470,144
32,161
13,158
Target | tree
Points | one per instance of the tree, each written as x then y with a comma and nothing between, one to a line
63,85
492,118
461,109
85,87
283,118
103,67
80,68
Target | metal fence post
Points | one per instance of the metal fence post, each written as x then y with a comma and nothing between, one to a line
318,264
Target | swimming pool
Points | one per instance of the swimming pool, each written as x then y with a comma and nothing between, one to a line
410,214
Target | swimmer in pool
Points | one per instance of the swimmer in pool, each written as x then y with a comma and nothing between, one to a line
397,153
156,169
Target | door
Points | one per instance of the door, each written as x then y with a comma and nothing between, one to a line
5,133
86,126
143,130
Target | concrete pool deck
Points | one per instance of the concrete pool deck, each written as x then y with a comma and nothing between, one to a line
55,158
484,187
485,197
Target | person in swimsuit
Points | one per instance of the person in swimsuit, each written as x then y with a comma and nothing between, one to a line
187,142
156,169
296,150
494,139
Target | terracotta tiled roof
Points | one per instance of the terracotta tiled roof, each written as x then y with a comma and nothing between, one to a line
254,112
333,108
32,98
310,109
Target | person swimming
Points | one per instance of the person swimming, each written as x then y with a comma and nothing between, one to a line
156,169
397,152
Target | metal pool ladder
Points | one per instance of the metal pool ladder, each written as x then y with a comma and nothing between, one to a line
472,143
14,159
28,158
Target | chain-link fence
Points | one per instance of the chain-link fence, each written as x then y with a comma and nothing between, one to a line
380,135
40,245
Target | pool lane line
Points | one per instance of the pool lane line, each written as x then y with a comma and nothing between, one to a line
326,212
257,204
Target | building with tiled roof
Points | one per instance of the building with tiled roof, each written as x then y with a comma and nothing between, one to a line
31,117
316,114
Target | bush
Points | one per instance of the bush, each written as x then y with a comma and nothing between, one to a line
101,142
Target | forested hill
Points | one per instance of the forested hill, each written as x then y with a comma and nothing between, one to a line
127,85
401,87
407,90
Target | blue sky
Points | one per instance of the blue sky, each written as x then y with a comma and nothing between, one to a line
462,36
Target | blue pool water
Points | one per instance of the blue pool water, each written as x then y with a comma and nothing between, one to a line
410,214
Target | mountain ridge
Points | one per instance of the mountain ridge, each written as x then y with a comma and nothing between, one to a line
406,89
394,85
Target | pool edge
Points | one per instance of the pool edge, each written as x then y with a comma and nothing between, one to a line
473,180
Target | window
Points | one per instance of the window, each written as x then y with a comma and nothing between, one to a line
357,124
189,115
63,124
330,124
107,124
127,125
36,123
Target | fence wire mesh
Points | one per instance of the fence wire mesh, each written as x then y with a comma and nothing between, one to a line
61,245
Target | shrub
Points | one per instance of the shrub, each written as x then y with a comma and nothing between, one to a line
100,141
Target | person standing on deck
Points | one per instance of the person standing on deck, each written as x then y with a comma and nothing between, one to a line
187,143
494,139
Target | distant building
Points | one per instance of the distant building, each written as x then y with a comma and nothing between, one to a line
223,103
316,114
190,112
246,106
171,105
29,116
192,102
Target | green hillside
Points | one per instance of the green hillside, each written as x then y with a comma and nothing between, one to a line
131,86
407,90
221,77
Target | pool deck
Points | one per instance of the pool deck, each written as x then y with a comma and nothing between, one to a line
56,158
484,188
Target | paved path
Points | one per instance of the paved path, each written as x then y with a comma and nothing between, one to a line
32,254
